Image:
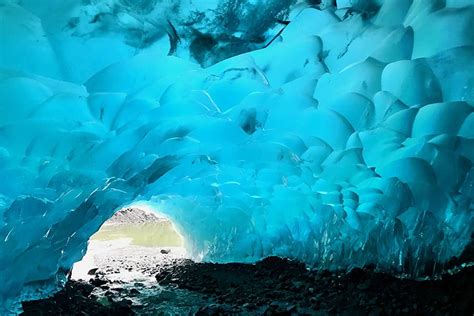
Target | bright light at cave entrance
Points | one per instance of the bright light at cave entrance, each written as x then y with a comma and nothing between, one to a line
134,239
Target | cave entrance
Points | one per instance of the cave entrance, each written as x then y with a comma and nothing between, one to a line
130,246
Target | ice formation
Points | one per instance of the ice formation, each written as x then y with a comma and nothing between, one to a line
348,140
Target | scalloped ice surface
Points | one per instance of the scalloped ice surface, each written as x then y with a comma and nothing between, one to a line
347,141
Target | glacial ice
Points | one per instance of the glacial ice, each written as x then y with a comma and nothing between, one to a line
348,140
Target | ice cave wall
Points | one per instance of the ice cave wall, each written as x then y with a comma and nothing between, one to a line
348,140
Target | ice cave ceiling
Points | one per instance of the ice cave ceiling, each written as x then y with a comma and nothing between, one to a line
339,134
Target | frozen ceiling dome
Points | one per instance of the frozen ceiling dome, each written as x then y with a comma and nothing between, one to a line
349,140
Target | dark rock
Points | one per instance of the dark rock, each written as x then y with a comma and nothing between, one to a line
71,301
277,286
84,288
249,306
134,292
212,309
363,286
92,271
291,308
125,302
97,282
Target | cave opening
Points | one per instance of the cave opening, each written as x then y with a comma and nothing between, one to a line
130,246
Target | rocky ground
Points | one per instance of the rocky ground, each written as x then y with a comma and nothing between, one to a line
76,299
117,277
120,260
273,286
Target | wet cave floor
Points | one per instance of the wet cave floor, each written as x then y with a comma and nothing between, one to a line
273,286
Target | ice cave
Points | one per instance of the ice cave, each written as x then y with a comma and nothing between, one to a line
339,133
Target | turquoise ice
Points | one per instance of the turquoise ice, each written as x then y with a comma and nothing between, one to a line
348,140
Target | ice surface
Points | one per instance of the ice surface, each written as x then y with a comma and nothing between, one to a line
347,140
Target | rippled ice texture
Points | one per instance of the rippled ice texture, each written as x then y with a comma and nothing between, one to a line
347,140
